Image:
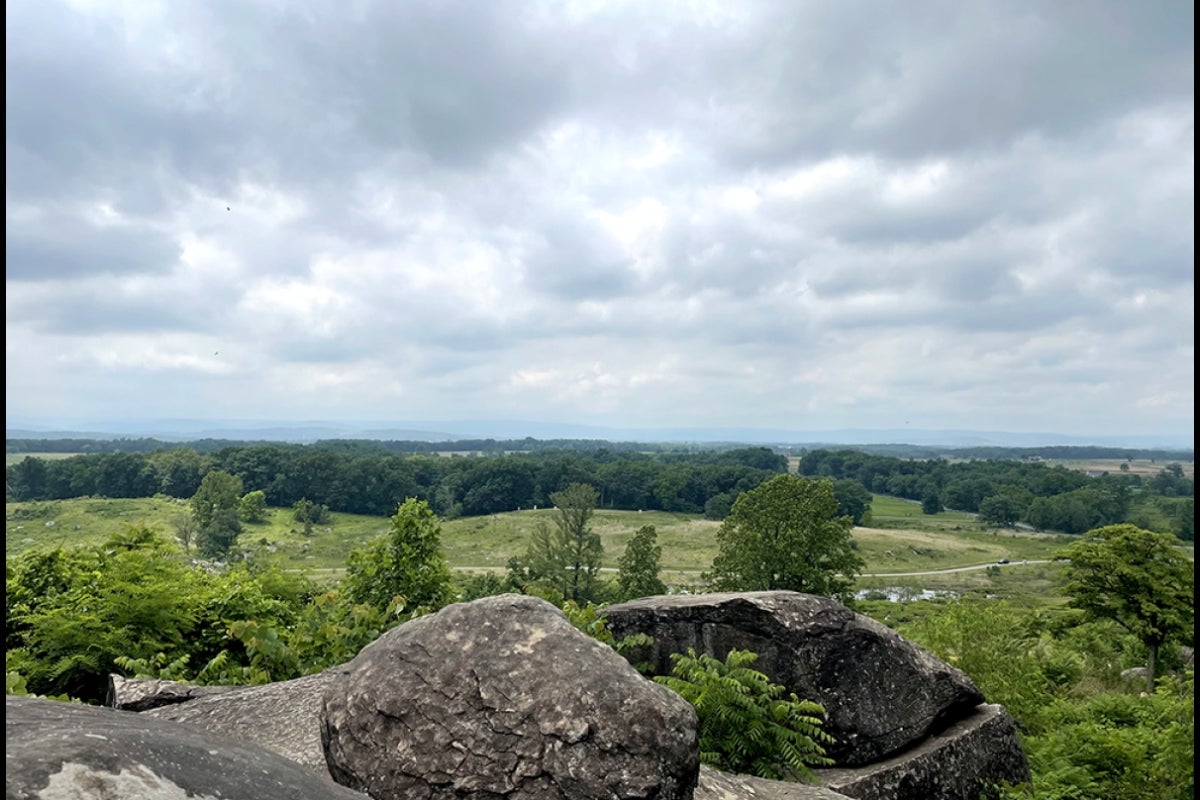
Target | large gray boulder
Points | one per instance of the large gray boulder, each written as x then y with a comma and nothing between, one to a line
283,716
503,696
67,751
881,693
964,762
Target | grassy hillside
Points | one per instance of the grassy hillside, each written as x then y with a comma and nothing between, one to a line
909,540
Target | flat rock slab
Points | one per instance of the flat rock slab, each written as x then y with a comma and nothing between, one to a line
68,751
717,785
504,697
881,692
143,694
964,762
283,717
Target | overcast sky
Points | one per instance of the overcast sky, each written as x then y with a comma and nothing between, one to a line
795,215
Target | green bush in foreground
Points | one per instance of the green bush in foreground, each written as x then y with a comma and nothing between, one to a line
747,723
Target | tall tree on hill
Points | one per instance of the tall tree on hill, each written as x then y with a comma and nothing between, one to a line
567,557
1137,579
215,510
786,534
639,566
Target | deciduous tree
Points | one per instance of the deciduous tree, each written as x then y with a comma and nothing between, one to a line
786,534
1136,578
407,561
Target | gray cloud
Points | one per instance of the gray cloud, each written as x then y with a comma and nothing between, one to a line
827,215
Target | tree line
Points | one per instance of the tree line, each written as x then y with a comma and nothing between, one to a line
373,484
1007,492
358,477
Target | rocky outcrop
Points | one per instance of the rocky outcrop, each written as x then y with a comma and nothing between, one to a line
962,762
283,716
137,694
504,697
881,693
61,751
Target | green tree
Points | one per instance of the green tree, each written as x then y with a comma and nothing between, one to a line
217,538
931,503
407,561
639,566
253,506
575,545
786,534
853,499
219,491
999,509
1139,580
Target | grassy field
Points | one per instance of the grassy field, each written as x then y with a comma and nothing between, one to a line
908,541
17,458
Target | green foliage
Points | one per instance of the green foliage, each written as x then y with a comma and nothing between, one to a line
567,557
72,616
253,506
1137,579
219,491
216,539
589,619
639,566
785,534
853,499
405,562
994,643
748,724
1116,746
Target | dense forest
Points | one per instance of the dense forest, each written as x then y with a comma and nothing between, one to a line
365,478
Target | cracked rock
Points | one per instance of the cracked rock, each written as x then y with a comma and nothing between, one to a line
504,697
881,692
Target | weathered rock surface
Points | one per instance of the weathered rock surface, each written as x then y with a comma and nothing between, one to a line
139,694
961,763
717,785
502,696
283,717
881,693
67,751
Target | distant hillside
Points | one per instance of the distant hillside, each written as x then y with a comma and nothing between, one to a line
307,432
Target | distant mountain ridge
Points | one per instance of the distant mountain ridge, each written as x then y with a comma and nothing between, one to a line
306,432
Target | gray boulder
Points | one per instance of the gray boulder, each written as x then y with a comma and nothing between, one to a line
881,693
283,716
67,751
503,696
964,762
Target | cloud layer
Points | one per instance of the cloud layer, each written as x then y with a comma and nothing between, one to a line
819,215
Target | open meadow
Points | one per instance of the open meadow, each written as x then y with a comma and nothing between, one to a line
901,541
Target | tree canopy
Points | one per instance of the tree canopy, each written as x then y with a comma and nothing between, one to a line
1136,578
405,562
786,534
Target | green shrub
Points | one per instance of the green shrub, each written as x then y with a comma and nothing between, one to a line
748,724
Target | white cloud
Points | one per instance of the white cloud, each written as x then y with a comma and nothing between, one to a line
742,215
